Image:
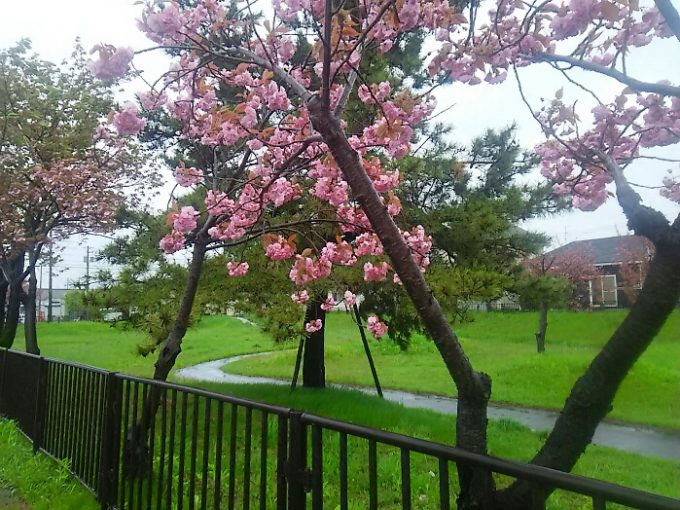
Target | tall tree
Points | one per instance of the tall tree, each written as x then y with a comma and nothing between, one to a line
61,171
580,159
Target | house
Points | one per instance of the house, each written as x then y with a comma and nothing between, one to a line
622,263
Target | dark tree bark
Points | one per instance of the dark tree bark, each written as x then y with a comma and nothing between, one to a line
474,388
30,331
135,450
13,276
4,290
173,345
313,365
593,394
542,327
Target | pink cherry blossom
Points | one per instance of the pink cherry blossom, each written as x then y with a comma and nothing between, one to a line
172,243
237,269
328,305
349,298
127,121
113,62
376,327
217,203
187,176
313,326
300,297
280,249
375,273
185,220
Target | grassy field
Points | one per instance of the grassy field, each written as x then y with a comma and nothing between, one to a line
35,482
114,348
502,345
494,342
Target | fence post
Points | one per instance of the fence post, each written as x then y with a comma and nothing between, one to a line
110,442
297,463
40,405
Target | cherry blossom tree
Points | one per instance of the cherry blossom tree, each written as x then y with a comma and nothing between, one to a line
554,280
291,117
62,172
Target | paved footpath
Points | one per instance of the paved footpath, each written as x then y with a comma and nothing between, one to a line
645,440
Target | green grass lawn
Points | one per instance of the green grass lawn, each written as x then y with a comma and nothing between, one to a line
115,349
503,346
35,482
496,343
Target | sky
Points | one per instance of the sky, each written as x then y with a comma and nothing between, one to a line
53,26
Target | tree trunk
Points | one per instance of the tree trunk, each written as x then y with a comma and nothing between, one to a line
4,288
474,388
313,367
592,396
542,327
135,450
30,332
13,276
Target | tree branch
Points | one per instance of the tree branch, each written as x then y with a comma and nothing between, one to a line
642,220
670,16
635,84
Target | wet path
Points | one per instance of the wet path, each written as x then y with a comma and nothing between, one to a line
647,441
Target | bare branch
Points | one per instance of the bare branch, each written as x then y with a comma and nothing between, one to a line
636,85
670,15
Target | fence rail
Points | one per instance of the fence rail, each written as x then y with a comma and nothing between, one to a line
140,444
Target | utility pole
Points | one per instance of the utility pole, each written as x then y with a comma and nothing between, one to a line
87,269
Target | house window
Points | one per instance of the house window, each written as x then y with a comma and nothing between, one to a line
603,291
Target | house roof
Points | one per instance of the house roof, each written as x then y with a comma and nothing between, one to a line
608,250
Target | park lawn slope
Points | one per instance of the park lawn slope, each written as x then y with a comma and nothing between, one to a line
502,345
35,481
115,348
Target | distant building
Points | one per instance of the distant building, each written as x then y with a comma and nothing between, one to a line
42,305
622,263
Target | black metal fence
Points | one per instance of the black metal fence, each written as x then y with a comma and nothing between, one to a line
205,450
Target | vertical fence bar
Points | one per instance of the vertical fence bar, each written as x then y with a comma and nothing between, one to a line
232,457
182,451
152,448
40,406
163,397
281,462
68,402
97,411
206,453
405,479
297,462
131,434
599,504
76,419
264,432
246,458
81,424
126,439
444,496
59,414
171,450
194,453
110,441
343,471
372,475
317,467
143,464
218,456
88,450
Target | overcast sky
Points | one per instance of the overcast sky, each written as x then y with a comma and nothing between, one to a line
53,27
